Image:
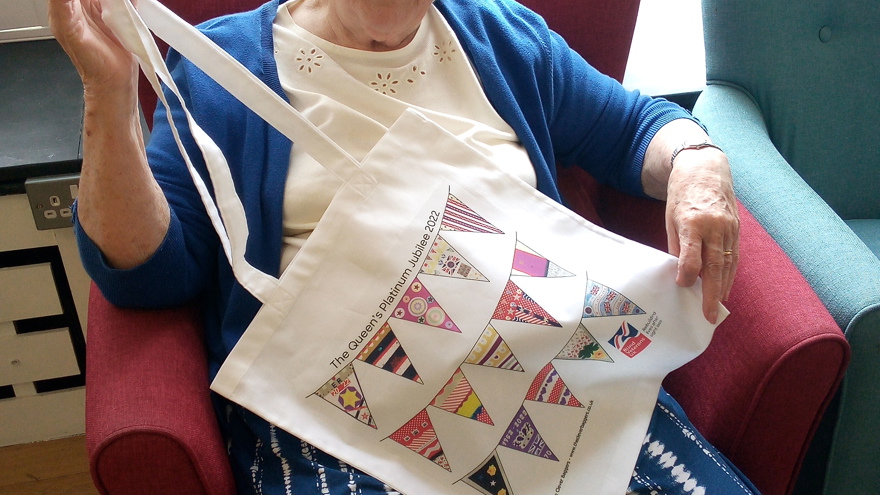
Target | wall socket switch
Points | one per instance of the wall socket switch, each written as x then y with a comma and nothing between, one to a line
51,200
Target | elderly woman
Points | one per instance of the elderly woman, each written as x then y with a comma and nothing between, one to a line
488,70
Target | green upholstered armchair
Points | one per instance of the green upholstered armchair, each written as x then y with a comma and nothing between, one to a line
793,97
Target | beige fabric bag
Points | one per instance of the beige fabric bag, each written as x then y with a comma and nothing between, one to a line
446,328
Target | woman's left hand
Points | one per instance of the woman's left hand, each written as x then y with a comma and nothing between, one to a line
702,224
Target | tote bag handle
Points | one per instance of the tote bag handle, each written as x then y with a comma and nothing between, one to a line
227,214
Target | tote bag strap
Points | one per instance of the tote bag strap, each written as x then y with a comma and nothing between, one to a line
227,214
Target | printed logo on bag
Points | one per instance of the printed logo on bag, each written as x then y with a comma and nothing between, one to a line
629,341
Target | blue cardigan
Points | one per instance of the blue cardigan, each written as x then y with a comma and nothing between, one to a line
558,105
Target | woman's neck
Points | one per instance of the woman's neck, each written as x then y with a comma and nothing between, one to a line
370,25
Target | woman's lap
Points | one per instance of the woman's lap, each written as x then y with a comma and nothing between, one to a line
675,459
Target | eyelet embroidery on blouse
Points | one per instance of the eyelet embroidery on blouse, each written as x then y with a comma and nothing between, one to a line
309,60
389,84
385,84
444,51
415,72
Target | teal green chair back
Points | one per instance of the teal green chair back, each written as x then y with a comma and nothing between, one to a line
813,68
793,96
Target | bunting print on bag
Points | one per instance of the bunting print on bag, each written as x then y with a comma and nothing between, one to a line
516,305
445,261
419,305
384,351
460,218
419,436
489,477
602,300
629,340
522,435
344,392
491,350
458,397
528,263
583,345
548,387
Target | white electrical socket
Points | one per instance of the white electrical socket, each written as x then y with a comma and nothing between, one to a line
51,200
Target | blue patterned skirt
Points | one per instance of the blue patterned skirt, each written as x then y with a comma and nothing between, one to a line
675,459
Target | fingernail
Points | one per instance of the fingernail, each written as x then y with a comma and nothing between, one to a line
713,316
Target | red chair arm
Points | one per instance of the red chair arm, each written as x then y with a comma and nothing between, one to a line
761,388
150,425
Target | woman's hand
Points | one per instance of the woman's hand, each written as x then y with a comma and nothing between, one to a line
104,66
702,224
702,219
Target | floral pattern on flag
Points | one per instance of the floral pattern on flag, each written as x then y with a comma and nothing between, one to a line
583,345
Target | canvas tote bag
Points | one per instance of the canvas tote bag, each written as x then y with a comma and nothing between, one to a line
446,328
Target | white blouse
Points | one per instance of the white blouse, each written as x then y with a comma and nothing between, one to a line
353,96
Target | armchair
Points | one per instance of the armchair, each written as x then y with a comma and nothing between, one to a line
792,99
757,393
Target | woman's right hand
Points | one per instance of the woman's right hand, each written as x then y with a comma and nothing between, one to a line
106,68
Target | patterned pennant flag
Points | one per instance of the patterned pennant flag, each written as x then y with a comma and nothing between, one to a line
444,260
458,397
419,436
629,340
548,387
583,345
491,350
602,300
344,392
522,435
489,477
527,262
384,351
516,305
419,305
459,217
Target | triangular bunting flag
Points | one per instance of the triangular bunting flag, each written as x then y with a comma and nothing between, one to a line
458,397
418,305
489,477
419,436
444,260
582,345
602,300
528,263
491,350
548,387
344,392
384,351
629,340
522,435
459,217
516,305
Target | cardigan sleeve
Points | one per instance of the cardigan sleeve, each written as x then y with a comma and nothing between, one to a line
597,124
